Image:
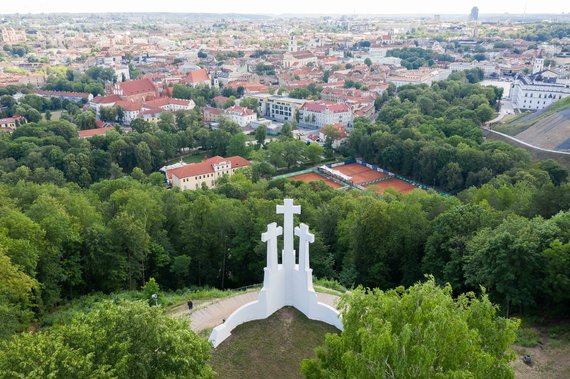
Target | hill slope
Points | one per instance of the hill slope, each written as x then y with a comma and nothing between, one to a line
548,128
270,348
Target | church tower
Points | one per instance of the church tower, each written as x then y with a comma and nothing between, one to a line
538,64
292,43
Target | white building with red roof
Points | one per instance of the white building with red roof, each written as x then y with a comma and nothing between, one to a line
131,110
240,115
9,124
316,114
193,175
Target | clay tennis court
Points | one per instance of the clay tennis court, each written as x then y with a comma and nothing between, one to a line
314,177
359,173
397,184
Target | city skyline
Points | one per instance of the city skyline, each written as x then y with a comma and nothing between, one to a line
293,7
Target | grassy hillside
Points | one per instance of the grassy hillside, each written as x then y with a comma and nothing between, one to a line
270,348
516,125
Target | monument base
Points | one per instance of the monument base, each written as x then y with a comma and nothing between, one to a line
305,300
286,284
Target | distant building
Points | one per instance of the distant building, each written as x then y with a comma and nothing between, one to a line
11,36
341,138
240,115
279,108
537,91
316,114
198,78
135,90
299,58
474,15
210,114
193,175
420,76
292,43
9,124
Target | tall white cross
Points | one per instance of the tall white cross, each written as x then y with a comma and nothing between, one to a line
270,236
288,210
305,237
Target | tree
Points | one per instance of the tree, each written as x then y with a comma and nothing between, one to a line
293,151
558,174
368,62
48,115
236,145
314,152
557,272
85,120
287,129
108,114
16,295
445,249
120,114
260,135
484,112
126,340
507,260
419,332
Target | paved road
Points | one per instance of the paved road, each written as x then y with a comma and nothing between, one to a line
528,144
213,314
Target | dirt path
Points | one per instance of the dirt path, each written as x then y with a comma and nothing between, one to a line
211,314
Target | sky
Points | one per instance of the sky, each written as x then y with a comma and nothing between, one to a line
382,7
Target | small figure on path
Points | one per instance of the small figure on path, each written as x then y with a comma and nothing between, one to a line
190,305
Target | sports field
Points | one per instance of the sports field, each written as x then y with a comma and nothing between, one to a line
395,183
314,177
359,173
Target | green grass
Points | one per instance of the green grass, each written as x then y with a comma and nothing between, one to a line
189,158
270,348
167,299
55,115
527,337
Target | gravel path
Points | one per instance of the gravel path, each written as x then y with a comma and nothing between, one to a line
212,314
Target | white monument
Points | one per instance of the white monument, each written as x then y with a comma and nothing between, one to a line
285,284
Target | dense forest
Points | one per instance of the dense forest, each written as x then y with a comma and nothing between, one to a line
85,215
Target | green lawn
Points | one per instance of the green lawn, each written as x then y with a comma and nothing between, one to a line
270,348
55,115
191,158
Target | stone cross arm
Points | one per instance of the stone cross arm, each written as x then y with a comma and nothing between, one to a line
288,209
273,231
302,231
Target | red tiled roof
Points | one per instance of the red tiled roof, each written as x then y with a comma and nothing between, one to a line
11,119
162,101
338,127
220,99
242,111
94,132
134,87
106,99
213,110
206,166
197,76
321,106
129,106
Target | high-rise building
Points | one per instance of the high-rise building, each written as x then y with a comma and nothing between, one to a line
474,16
